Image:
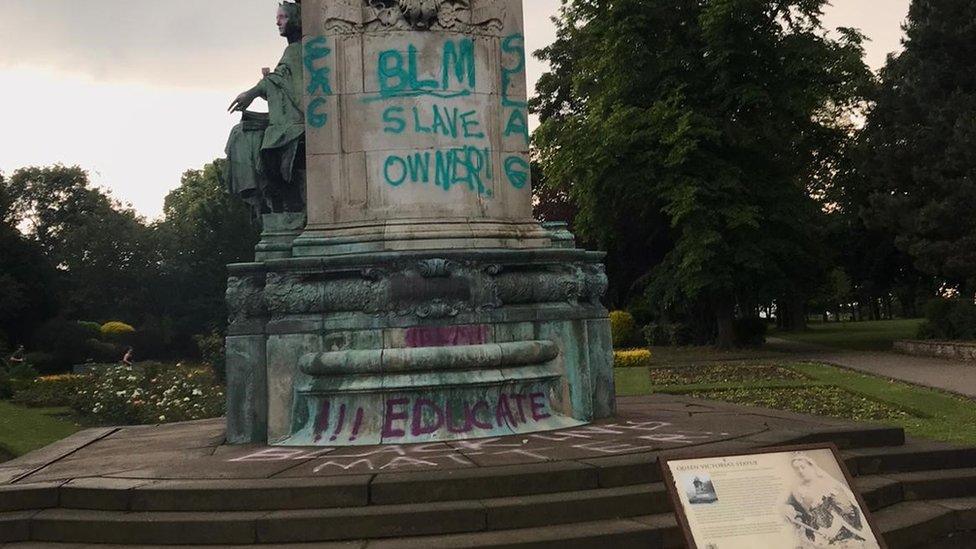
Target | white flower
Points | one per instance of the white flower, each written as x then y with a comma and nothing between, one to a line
162,418
197,392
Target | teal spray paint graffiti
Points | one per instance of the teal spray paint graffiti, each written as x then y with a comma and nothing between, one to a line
319,82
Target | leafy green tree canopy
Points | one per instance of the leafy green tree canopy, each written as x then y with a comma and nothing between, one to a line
690,134
920,170
102,250
205,228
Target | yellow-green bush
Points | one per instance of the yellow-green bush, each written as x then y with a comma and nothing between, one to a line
117,331
637,358
623,328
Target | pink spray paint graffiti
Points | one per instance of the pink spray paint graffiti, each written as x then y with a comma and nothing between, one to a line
447,336
423,417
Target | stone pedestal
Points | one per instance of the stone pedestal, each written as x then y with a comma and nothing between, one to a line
418,128
421,302
415,346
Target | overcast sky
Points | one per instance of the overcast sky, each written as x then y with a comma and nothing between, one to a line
136,91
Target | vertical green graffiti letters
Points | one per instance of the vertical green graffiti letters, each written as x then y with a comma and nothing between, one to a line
513,47
319,81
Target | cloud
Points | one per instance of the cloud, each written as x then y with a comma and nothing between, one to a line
136,90
184,43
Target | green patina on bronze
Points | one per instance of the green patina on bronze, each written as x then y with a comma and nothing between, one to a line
266,151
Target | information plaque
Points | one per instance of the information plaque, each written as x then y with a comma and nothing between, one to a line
779,498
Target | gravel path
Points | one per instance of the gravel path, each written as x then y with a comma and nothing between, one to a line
948,375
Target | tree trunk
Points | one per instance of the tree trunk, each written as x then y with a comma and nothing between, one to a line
798,315
725,320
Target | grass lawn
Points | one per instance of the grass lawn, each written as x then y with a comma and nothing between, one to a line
23,430
815,389
856,336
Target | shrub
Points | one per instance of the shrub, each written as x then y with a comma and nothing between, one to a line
22,371
6,384
150,393
93,327
638,358
212,350
156,339
13,376
750,332
667,334
623,329
949,319
103,351
118,332
42,362
50,391
65,343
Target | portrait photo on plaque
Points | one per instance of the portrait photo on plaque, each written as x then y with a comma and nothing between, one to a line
780,498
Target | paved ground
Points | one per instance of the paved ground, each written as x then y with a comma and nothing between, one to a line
196,450
948,375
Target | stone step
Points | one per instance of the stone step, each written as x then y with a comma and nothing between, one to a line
358,544
451,485
907,525
879,492
854,437
913,456
913,523
78,525
930,485
15,526
16,497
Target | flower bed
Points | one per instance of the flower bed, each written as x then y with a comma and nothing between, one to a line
50,391
146,393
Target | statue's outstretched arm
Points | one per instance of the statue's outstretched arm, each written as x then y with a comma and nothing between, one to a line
244,100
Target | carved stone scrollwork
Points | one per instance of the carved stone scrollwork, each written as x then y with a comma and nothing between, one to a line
245,298
417,15
436,309
597,283
426,288
289,293
570,288
435,268
350,295
374,274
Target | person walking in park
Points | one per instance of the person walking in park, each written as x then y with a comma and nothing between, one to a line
18,356
127,358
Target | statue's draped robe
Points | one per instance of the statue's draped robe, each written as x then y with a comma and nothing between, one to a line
264,151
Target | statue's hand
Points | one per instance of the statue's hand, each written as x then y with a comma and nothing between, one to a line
241,102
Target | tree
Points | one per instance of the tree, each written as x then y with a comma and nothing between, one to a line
205,228
101,249
27,286
919,169
691,134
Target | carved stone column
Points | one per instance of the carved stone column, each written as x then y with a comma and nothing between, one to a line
417,126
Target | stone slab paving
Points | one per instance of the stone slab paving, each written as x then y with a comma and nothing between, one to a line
955,376
195,451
